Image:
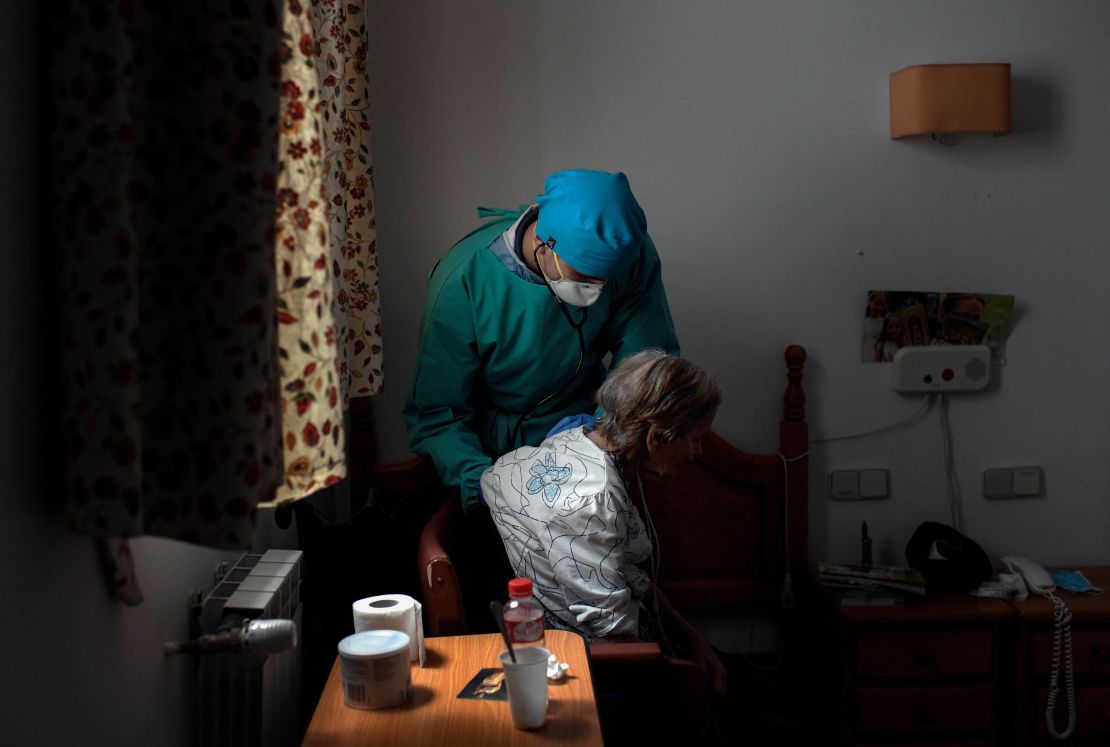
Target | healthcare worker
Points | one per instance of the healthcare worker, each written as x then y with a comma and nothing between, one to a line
519,318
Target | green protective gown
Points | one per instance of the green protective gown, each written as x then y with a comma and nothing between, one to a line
492,345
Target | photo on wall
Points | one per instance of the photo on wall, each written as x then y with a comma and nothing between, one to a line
896,319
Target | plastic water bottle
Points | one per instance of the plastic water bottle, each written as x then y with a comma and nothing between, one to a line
523,614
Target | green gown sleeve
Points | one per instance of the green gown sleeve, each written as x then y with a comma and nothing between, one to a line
439,410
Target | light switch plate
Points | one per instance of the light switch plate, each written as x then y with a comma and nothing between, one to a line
857,484
1012,482
844,485
1027,481
941,368
874,483
998,483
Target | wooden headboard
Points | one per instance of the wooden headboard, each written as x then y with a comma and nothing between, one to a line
730,523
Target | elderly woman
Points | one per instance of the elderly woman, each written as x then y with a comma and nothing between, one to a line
567,509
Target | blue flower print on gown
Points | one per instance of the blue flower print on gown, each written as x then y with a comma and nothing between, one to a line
547,477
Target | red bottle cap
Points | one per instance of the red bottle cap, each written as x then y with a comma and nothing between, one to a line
520,587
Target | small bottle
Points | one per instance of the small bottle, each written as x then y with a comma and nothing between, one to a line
865,547
523,614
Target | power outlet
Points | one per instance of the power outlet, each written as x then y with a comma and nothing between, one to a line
942,368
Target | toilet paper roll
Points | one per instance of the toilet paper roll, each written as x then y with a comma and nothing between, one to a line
393,612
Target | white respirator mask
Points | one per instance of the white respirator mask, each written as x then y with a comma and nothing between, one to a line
572,292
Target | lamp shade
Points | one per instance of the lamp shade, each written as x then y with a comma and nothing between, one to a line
940,99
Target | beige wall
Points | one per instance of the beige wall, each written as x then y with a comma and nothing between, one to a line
756,136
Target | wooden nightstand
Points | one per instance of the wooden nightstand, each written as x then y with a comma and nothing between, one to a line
1091,655
927,671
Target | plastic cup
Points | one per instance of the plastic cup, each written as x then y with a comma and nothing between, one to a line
527,683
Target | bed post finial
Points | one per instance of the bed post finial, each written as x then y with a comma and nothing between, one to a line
794,401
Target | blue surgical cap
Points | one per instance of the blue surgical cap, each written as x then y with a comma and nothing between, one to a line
596,222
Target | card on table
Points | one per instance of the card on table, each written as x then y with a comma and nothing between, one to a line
488,684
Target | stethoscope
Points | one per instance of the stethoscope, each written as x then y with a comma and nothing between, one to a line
577,326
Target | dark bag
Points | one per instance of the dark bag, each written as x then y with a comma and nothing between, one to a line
948,560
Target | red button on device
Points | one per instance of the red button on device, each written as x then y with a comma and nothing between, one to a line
947,374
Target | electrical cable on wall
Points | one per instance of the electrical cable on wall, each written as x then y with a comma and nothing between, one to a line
786,599
924,408
951,483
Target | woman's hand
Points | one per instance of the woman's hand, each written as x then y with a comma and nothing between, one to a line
700,650
705,657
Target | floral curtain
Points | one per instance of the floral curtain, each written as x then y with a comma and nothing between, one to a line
212,218
163,149
329,329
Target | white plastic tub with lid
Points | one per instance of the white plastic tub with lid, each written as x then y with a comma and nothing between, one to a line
376,670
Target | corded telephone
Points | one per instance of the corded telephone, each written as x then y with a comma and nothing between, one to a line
1035,578
1039,581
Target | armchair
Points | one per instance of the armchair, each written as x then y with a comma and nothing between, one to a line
746,537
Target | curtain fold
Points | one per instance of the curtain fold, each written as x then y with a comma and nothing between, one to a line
163,148
212,217
330,330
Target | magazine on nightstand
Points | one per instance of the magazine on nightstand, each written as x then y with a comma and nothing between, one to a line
870,585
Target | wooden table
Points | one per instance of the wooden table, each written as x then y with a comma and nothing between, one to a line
435,716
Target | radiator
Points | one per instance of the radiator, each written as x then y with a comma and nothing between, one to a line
248,700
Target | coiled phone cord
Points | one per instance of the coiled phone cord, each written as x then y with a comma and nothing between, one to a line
1061,634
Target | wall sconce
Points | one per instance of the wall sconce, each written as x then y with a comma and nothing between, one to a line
941,99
